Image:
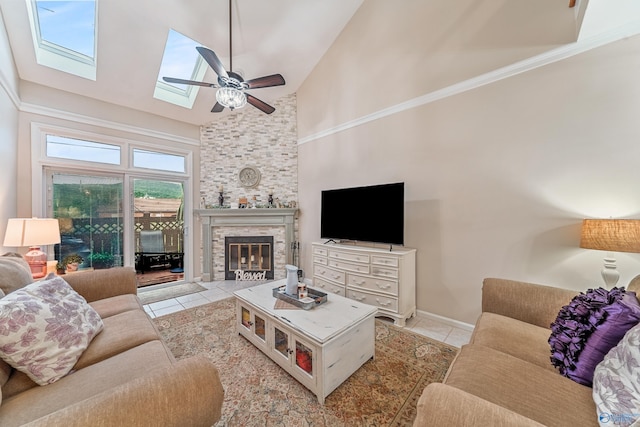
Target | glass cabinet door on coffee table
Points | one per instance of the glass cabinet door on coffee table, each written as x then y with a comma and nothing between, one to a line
255,325
290,351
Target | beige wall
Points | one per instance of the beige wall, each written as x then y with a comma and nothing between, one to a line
498,178
9,99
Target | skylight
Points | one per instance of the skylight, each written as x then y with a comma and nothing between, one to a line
180,60
64,35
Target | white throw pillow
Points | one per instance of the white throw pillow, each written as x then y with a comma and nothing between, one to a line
616,383
44,329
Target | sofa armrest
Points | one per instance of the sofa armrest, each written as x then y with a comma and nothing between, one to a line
535,304
187,394
443,405
100,284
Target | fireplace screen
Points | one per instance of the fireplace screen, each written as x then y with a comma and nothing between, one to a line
248,254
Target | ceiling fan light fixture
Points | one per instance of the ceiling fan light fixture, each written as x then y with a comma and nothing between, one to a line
231,98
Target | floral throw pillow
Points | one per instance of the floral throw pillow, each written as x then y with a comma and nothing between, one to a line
616,382
588,327
44,329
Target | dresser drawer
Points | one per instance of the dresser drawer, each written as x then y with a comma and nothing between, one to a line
391,273
348,256
330,274
384,261
328,287
380,301
374,284
349,266
317,259
319,251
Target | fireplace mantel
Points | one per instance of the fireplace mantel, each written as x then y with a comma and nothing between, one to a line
211,218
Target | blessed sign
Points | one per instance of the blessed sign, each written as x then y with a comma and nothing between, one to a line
242,275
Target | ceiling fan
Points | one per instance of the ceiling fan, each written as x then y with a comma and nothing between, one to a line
232,87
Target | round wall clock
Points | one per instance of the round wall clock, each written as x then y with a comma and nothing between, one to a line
249,176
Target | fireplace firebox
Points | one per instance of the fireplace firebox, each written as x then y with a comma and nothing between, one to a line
248,254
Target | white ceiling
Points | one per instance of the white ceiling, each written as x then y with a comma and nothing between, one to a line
275,36
269,36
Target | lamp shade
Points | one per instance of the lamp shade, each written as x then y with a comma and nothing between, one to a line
613,235
31,232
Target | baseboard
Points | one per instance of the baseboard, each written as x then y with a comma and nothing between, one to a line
446,320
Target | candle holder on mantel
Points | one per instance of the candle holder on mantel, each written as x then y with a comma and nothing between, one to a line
221,199
270,200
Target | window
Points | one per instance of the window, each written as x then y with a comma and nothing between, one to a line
64,35
159,161
76,149
180,60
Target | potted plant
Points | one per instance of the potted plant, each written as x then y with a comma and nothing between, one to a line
59,268
101,260
71,262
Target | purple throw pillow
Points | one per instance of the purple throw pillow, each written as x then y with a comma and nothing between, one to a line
588,327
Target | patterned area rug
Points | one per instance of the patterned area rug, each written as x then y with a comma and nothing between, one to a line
174,291
383,392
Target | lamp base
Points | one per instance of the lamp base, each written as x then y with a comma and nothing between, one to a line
610,274
37,261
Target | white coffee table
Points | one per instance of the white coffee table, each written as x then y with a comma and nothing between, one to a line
320,347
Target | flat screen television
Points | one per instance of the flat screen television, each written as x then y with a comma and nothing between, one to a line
373,213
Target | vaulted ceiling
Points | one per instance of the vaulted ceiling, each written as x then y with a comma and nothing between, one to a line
275,36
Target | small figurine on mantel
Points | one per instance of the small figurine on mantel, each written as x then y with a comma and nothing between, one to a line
270,199
221,196
277,203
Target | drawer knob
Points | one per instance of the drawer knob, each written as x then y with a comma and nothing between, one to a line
383,304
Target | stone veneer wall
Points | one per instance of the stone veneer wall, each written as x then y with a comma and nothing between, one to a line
249,137
220,233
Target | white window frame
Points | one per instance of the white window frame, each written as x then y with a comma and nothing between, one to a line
58,57
42,165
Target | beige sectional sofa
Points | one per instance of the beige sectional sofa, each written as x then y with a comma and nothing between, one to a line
504,376
127,376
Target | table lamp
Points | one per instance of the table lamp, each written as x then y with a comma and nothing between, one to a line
611,235
33,232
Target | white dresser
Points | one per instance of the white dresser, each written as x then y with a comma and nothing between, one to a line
382,278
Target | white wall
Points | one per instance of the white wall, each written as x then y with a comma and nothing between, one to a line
497,178
9,99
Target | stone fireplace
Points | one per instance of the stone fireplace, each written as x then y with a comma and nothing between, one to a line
220,224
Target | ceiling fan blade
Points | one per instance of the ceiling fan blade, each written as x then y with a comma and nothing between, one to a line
187,82
217,108
213,61
266,81
260,105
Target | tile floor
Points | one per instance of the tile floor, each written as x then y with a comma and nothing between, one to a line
216,291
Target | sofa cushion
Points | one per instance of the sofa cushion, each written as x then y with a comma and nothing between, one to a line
520,339
121,332
44,328
14,272
522,387
85,383
588,327
115,305
616,381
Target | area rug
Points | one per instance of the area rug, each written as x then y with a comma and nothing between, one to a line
383,392
174,291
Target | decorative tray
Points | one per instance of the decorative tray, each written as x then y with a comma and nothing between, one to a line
315,298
